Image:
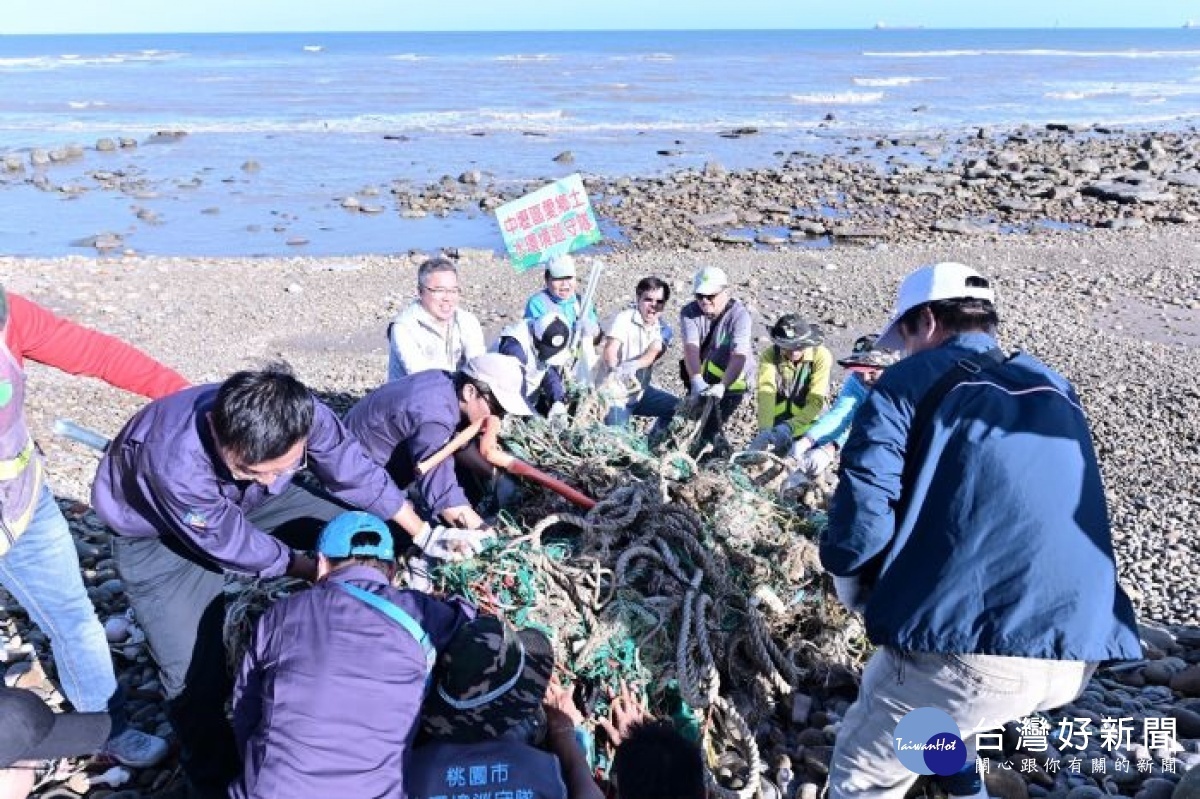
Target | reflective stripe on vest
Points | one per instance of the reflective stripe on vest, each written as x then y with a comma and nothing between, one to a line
712,370
12,468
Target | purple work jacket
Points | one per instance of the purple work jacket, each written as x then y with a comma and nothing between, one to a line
330,690
162,476
402,423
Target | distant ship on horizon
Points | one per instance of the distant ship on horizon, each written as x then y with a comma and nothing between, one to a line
1191,23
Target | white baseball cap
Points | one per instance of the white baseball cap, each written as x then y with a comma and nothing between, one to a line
561,266
709,280
503,377
944,281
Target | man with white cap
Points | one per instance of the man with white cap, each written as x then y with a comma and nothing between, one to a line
540,346
404,422
718,345
970,526
560,295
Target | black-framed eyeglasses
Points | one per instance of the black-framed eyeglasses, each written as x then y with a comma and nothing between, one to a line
657,302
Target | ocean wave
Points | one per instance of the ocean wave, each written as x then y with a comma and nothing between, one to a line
46,62
1036,53
837,98
408,57
81,104
1156,92
527,57
643,57
897,81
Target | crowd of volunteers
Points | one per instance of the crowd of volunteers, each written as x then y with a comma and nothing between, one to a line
968,525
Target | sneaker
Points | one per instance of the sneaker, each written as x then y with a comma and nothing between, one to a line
136,749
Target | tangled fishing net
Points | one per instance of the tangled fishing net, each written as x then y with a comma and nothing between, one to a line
697,585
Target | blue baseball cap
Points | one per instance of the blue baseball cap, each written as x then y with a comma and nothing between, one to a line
340,531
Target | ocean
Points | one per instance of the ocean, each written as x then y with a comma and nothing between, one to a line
327,115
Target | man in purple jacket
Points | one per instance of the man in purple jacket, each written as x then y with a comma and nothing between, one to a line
403,422
194,486
349,662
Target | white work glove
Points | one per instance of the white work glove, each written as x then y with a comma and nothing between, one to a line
452,543
698,385
557,417
716,391
802,445
776,439
816,461
851,593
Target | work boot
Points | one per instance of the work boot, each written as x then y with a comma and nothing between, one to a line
135,749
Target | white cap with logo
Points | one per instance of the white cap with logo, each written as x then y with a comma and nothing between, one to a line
503,376
709,280
943,281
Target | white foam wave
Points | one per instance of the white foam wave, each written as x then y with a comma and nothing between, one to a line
81,104
644,57
837,98
900,80
527,57
408,57
313,48
1036,53
1155,92
75,60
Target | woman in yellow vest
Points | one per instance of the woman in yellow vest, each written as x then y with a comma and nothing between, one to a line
793,384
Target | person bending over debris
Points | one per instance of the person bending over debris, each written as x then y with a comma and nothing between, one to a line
793,384
39,565
200,483
816,449
409,426
970,525
349,661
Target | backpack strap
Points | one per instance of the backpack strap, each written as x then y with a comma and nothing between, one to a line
398,615
965,369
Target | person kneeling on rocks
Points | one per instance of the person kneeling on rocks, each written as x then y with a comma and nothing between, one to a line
793,384
484,723
718,349
347,661
540,346
201,483
634,341
970,526
816,449
405,426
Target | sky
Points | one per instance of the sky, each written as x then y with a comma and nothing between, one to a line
145,16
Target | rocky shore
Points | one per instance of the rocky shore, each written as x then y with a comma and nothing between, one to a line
860,190
1117,311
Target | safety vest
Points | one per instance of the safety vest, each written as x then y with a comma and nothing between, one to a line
791,395
711,372
21,473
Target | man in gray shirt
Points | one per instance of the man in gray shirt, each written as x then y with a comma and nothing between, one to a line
718,349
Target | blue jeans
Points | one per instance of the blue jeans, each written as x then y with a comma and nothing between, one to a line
654,403
42,572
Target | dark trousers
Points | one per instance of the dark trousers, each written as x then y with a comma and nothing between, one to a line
180,603
726,408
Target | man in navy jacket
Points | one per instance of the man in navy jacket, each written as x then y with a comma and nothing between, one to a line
978,547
